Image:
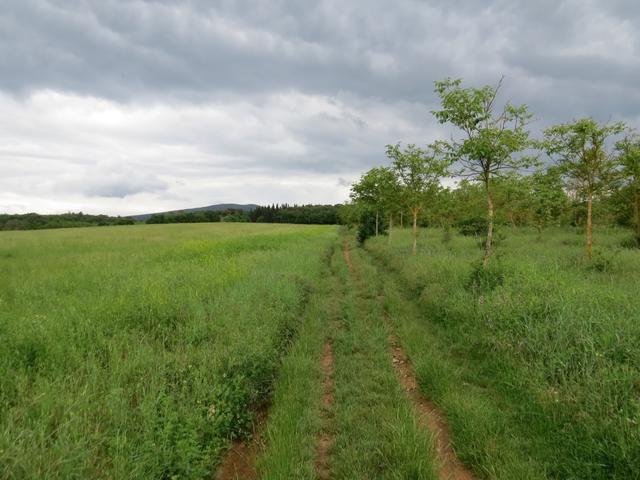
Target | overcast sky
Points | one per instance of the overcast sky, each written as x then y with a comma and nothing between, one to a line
130,106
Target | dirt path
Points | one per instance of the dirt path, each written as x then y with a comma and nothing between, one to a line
325,442
240,460
430,416
347,255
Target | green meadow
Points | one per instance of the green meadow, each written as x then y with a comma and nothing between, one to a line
536,360
147,351
140,351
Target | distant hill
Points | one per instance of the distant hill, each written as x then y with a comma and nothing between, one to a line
215,208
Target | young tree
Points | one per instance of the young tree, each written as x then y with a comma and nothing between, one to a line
366,192
374,190
390,190
513,197
419,172
628,150
548,197
491,139
580,152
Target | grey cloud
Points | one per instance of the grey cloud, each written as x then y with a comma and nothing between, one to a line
120,187
111,182
199,90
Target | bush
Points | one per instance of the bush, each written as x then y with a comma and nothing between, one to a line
367,226
472,227
483,280
631,243
603,261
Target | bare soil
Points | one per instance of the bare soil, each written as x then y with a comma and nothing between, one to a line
325,442
240,461
430,416
347,255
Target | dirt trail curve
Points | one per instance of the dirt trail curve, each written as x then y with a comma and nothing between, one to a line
325,441
451,468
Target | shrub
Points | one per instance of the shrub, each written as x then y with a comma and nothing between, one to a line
472,227
631,243
483,280
367,226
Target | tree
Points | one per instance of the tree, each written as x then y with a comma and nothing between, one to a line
491,138
628,150
371,189
391,193
548,197
513,197
580,152
419,172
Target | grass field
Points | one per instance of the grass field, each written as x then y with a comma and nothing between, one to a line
537,364
144,351
137,352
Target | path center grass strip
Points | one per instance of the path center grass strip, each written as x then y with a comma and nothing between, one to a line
377,432
139,352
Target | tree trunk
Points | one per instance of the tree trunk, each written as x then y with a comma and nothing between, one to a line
390,227
489,241
636,212
512,220
589,226
376,223
401,221
414,212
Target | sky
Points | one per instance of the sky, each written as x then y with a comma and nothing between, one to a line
135,106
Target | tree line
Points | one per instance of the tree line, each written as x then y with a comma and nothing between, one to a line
276,213
34,221
229,215
302,214
590,166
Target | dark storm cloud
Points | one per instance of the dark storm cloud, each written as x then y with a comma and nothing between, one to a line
163,50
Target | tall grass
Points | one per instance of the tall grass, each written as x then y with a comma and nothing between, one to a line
538,358
138,352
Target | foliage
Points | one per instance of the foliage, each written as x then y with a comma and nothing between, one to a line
367,225
579,148
376,189
472,226
417,172
492,142
483,280
628,150
548,197
580,152
298,214
203,216
34,221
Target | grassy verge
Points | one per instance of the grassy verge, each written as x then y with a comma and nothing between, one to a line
535,363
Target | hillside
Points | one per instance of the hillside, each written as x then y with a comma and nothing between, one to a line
216,207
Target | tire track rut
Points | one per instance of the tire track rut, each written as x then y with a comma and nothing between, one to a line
430,416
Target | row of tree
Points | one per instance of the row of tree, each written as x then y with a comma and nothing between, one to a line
590,162
204,216
301,214
34,221
304,214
